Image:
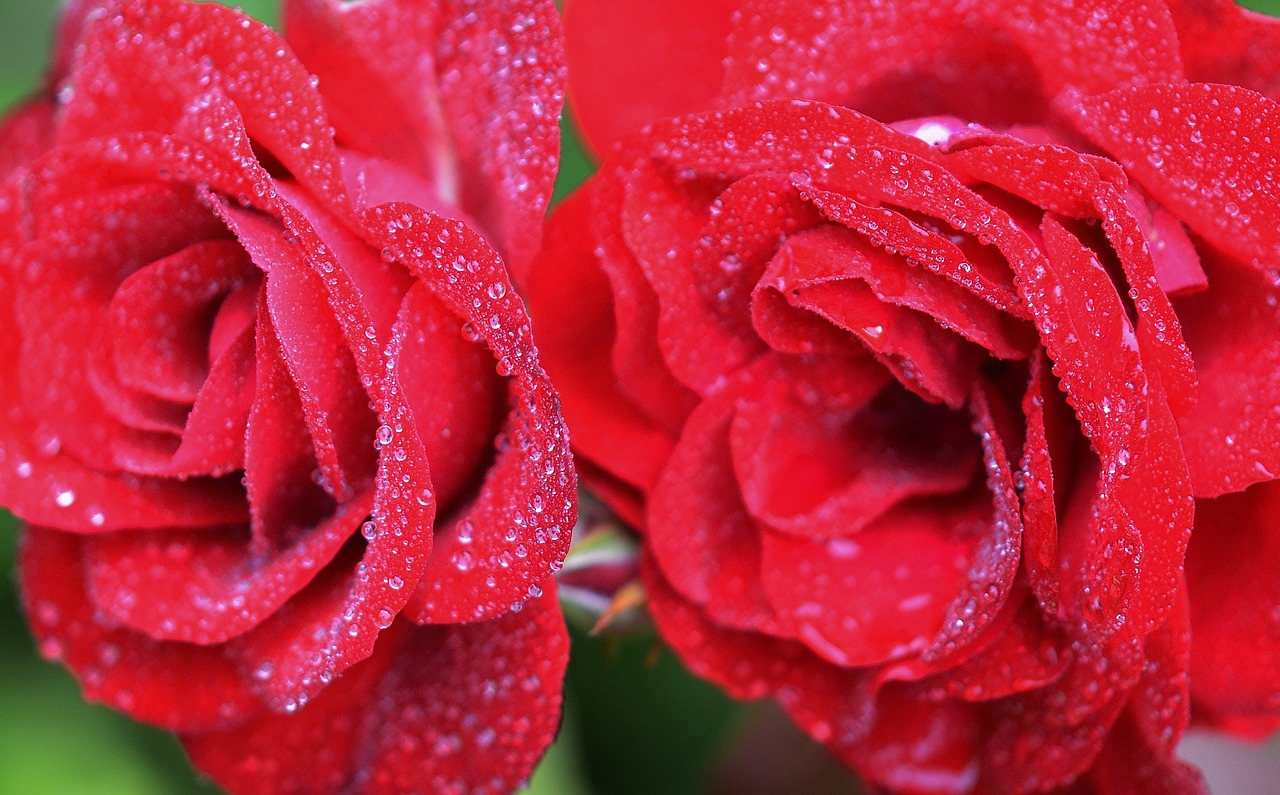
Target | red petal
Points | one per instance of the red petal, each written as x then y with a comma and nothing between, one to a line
572,304
151,680
1091,341
986,276
916,745
459,708
279,456
334,402
746,665
620,81
160,315
828,471
881,594
638,365
145,65
657,217
1224,43
26,133
1234,588
1161,704
698,529
1177,264
85,246
535,466
456,398
1047,737
995,560
740,237
1026,654
973,60
214,436
1130,765
468,96
1232,434
207,586
1202,151
1041,405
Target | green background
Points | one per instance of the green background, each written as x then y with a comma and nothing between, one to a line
633,727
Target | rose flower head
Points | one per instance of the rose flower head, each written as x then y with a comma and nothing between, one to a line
293,479
933,353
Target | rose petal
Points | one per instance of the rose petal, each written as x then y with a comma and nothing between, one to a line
1224,43
983,53
160,317
700,533
468,96
611,69
826,471
456,398
535,463
480,720
1202,151
697,345
145,64
1235,659
1232,435
570,296
206,586
881,594
129,670
26,133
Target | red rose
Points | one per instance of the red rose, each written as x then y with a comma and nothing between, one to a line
295,482
917,418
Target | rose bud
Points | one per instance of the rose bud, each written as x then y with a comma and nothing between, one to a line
933,354
294,481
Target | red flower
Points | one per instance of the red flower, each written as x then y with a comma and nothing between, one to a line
271,408
917,418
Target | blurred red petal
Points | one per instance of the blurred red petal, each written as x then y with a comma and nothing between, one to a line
626,70
1234,590
1224,43
974,59
1232,434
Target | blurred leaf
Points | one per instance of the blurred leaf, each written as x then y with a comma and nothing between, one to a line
1271,7
645,726
575,166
